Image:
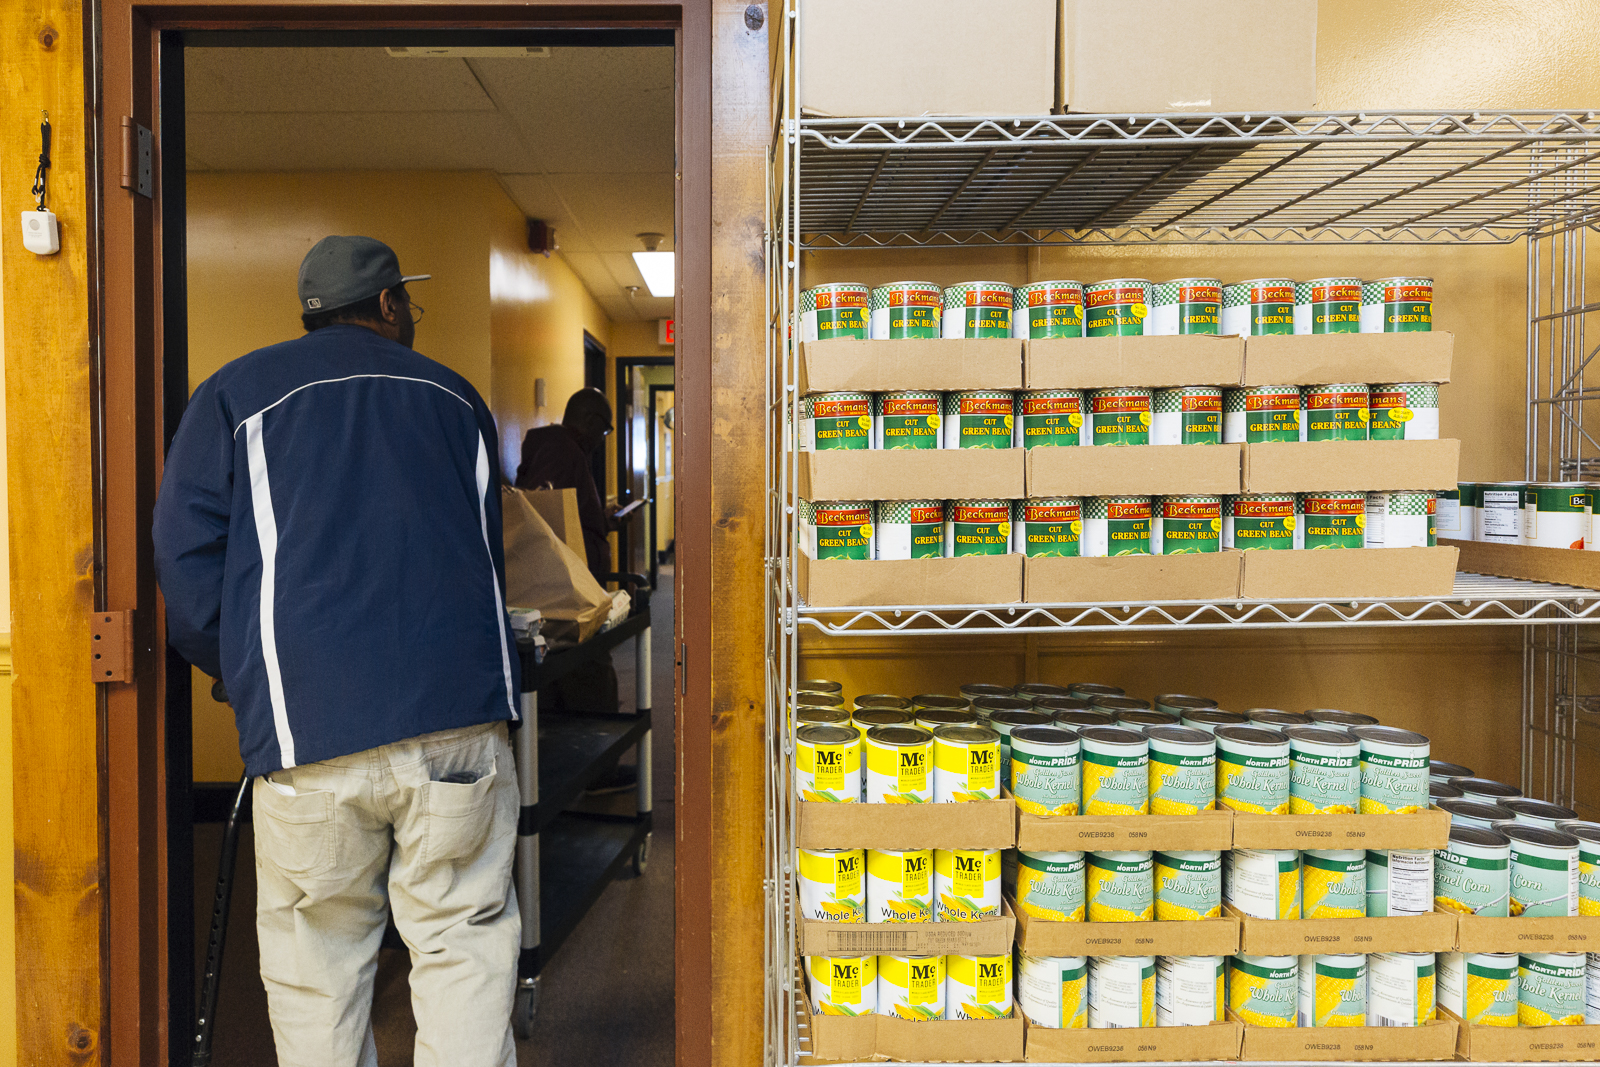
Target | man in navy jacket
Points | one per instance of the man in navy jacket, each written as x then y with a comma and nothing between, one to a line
328,543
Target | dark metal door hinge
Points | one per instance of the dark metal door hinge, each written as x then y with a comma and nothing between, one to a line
111,646
138,158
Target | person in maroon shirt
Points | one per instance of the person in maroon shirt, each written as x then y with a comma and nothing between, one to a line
558,457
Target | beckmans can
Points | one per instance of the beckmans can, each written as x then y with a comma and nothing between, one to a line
1397,305
1400,989
966,764
1263,883
1394,770
966,884
1335,412
1185,305
980,418
1262,306
835,420
978,987
833,884
1046,770
1400,519
1333,884
1183,770
1264,990
912,987
1550,989
1116,526
1053,991
1333,520
1119,887
1116,308
904,310
1047,526
1399,882
907,419
1404,411
1116,770
899,765
827,760
1120,416
899,885
1472,874
843,985
1186,415
1256,414
977,528
1333,990
1544,871
836,529
1479,987
1252,770
831,311
910,529
1050,885
1500,512
1327,305
1122,992
1188,886
977,309
1051,417
1555,514
1047,309
1324,772
1257,521
1191,990
1187,524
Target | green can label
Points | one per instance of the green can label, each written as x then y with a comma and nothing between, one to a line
1049,309
1050,417
1335,304
1550,991
1125,521
982,309
1191,524
839,420
1050,527
838,310
1471,885
1116,308
1254,780
1263,522
1336,413
924,522
1120,416
1334,520
1050,888
1047,784
1392,406
1189,415
1542,885
1188,887
1397,305
1186,306
1392,784
1268,304
843,529
907,310
1272,415
909,420
978,420
1182,782
1323,783
980,527
1120,890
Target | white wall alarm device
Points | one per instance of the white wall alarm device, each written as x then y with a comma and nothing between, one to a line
39,233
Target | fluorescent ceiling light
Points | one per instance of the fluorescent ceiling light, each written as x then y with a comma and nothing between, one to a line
658,272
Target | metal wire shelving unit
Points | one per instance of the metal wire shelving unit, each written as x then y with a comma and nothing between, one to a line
1379,178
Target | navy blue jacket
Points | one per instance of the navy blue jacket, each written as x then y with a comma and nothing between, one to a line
328,542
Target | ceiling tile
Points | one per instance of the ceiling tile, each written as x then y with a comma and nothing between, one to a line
536,197
322,80
461,140
612,208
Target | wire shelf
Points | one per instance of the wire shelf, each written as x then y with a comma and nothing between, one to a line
1391,177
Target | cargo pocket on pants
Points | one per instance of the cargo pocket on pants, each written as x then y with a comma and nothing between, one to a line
295,833
459,817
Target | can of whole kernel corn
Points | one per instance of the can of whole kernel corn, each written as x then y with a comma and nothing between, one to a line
977,309
1252,770
1053,991
1259,307
1588,835
899,763
1324,772
1263,883
1119,887
1466,812
1539,813
1333,884
899,885
1051,417
977,987
1050,885
1191,990
1264,990
836,529
831,311
978,418
1397,305
966,764
1005,719
1183,770
1479,987
1116,771
1399,882
1472,873
908,418
910,529
1544,871
906,310
1327,305
1188,885
1185,305
1394,770
1333,990
1334,412
1047,309
843,985
833,884
912,987
1486,790
977,527
1186,415
1116,308
1047,526
1046,769
1551,989
1400,989
1122,992
827,759
1186,524
966,884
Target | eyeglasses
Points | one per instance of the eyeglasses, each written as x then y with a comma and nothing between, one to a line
416,312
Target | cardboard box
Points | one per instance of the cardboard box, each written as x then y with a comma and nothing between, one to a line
1298,466
1426,829
912,474
1565,566
926,57
827,583
1433,1041
1373,358
1524,1044
1219,1041
1101,362
990,937
559,508
924,363
1153,56
1204,937
1434,932
837,1038
1125,579
977,824
1349,574
1552,933
1118,470
1209,831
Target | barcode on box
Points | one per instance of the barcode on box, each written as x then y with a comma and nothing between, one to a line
868,942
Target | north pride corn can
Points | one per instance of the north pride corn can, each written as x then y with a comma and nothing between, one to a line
1397,305
834,311
1588,835
966,764
1399,882
1479,987
1263,883
1333,990
1264,990
1472,873
1053,991
1252,770
1544,871
979,418
977,309
1120,416
1327,305
899,885
1183,770
977,528
1050,885
907,419
1047,309
1324,772
1119,887
1188,885
1047,417
899,765
910,529
1259,307
1191,990
1333,884
1184,525
1333,519
1394,770
978,987
1335,412
1046,770
1258,414
836,529
827,761
906,310
912,987
1403,411
1400,989
1116,308
1550,989
833,884
1116,526
1185,306
1186,415
1047,526
843,985
1122,992
966,884
1116,771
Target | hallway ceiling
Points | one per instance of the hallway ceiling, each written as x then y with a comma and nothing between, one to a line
581,138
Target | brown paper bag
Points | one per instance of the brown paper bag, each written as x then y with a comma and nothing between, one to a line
543,573
559,507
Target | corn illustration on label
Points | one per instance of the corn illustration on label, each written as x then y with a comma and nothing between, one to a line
974,766
1480,987
1333,886
1075,999
1188,885
1264,992
1333,991
1116,784
979,987
1046,783
1394,784
1053,990
1120,889
843,985
906,766
1472,884
1550,989
966,884
900,886
1182,781
1322,780
1588,882
827,770
833,885
1051,885
912,987
1253,780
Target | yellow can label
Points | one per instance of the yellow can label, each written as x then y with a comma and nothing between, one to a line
1588,884
969,878
1120,891
846,977
1075,1002
1333,889
1339,995
912,872
1050,890
1262,995
907,765
916,986
839,875
987,979
976,768
826,767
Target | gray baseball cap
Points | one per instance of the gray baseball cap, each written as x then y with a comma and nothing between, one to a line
339,271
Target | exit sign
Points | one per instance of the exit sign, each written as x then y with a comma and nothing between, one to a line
665,334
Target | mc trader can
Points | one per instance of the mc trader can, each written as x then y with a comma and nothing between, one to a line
980,418
1053,991
834,311
1051,417
836,529
843,985
977,987
1333,990
1264,990
1327,305
899,885
1259,307
1334,412
1257,414
1050,885
833,884
1185,305
912,987
1116,308
836,421
828,763
1186,524
910,529
1479,987
906,310
907,419
1186,415
1397,305
977,528
977,309
966,884
1260,521
1404,411
966,764
899,765
1116,526
1047,309
1047,526
1332,520
1120,416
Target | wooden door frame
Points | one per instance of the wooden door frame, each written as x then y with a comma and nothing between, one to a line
619,382
131,983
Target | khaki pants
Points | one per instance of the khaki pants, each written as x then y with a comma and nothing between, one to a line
341,843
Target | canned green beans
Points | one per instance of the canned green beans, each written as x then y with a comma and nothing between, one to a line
1259,307
1544,871
1046,770
1327,305
977,528
1335,412
1394,770
1186,415
1397,305
908,418
1047,309
834,311
1555,514
1472,874
1257,521
836,421
1116,771
910,529
1404,411
1400,519
1458,512
1500,512
1187,524
1116,526
979,418
977,309
1188,885
1252,770
836,529
1184,306
1183,770
1052,417
1050,885
1117,307
906,310
1120,416
1047,526
1257,414
1324,771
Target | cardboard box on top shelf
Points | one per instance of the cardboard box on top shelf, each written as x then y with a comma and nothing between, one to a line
914,363
1152,56
1373,358
1425,829
836,1038
1435,1040
1349,573
1564,566
1102,362
974,824
1128,579
1350,466
987,937
926,57
1433,932
1524,1044
827,583
1199,937
1527,933
1207,831
1119,470
1219,1041
911,473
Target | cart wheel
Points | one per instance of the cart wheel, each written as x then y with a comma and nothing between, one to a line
522,1011
641,858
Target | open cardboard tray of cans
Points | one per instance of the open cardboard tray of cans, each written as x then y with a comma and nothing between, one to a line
975,824
1349,573
1207,831
1564,566
1524,1044
986,937
1127,579
1527,933
849,583
1424,829
848,365
1434,1040
872,1036
1199,937
1219,1041
1433,932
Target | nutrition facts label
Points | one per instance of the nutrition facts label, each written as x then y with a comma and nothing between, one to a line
1410,882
